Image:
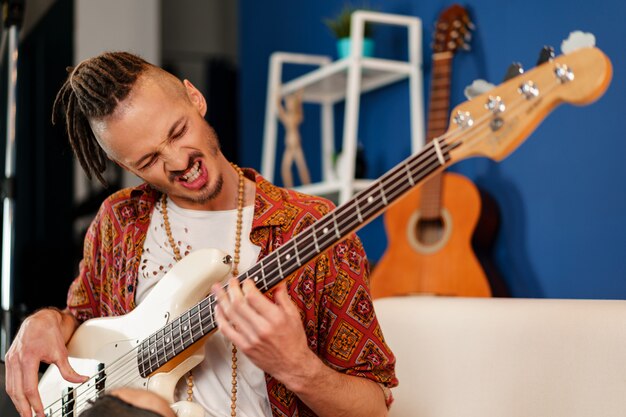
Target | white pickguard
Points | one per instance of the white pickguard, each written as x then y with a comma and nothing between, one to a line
112,340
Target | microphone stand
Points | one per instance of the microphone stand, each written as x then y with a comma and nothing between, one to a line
13,15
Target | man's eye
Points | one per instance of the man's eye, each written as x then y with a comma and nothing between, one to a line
148,164
180,133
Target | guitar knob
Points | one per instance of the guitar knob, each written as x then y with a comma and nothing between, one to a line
495,104
513,71
546,54
578,40
477,88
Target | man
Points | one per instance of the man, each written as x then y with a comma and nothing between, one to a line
315,348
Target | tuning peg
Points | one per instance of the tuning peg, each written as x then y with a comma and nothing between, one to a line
577,40
477,88
546,54
467,36
513,71
470,25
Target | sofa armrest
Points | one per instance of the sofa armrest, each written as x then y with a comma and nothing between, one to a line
500,357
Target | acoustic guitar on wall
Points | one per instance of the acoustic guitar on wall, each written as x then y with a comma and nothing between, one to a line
436,231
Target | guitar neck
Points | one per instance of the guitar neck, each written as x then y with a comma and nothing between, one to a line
199,320
438,112
439,102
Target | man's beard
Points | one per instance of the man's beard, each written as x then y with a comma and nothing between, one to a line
202,196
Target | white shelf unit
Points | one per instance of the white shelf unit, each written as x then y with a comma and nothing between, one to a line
345,79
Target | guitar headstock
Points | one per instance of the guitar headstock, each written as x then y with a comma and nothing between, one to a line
496,122
452,30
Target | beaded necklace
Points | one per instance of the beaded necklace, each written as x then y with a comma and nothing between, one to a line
235,272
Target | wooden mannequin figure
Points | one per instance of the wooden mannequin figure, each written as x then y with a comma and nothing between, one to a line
291,117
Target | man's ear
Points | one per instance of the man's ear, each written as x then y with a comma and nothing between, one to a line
196,97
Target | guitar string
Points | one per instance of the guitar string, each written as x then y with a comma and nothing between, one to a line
113,377
349,220
210,303
476,131
111,371
432,157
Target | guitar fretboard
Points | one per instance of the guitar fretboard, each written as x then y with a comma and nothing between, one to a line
199,320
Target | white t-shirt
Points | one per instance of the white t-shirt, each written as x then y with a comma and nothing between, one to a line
191,230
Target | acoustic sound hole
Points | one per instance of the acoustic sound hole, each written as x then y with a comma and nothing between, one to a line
429,231
426,235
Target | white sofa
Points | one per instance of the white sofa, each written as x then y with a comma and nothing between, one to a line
499,357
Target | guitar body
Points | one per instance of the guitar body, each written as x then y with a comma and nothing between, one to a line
433,257
112,341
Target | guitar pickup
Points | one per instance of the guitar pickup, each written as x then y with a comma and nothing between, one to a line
100,380
68,405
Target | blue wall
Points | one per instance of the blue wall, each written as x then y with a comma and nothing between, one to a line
561,195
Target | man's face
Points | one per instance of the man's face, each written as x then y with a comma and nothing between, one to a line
159,133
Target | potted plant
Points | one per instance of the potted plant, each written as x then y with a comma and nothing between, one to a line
340,27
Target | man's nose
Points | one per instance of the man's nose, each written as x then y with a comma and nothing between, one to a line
176,160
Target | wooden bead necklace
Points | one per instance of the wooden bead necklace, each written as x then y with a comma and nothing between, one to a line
235,273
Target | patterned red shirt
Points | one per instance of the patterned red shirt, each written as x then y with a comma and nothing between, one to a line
331,291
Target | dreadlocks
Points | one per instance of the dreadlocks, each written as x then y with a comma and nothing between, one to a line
92,90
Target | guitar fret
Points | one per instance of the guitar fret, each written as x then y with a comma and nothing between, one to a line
195,320
277,256
263,279
168,340
442,160
336,227
409,174
289,257
190,328
150,363
202,327
142,361
295,248
382,192
158,348
176,341
205,315
253,274
314,234
152,351
358,211
324,238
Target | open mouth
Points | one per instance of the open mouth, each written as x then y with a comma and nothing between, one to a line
193,173
195,177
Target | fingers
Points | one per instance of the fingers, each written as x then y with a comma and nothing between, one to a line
13,388
40,339
282,299
242,310
31,392
67,372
